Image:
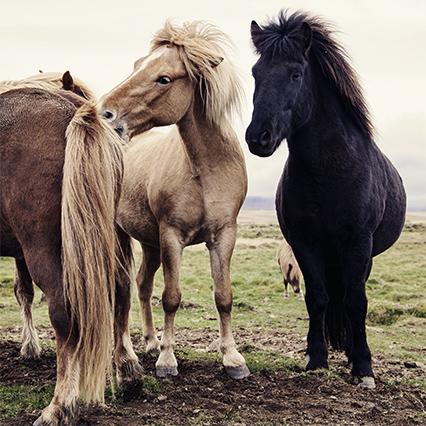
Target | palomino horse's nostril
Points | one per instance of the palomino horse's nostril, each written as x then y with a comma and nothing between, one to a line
119,130
108,115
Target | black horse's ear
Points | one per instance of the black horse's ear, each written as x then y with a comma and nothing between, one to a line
307,37
256,32
67,81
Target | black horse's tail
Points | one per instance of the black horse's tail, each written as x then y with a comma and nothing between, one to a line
337,326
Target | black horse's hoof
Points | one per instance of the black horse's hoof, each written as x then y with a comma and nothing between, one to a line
314,363
238,373
365,382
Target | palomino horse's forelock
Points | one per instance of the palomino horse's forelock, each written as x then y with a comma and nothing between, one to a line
202,49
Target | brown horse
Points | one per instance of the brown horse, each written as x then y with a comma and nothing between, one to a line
60,178
187,186
24,290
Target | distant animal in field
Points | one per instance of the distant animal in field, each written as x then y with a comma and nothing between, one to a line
186,186
60,178
340,201
290,269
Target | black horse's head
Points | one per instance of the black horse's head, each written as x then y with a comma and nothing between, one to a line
282,82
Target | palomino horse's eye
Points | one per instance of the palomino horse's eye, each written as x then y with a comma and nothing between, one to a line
163,80
296,76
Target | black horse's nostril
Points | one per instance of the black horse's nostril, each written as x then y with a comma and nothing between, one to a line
265,138
119,130
108,115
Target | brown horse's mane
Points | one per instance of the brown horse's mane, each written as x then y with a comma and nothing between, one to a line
202,49
47,81
282,38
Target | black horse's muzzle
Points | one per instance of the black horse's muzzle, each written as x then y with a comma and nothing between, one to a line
260,141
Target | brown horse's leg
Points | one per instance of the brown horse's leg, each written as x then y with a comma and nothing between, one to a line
221,249
171,254
145,279
126,361
63,408
24,292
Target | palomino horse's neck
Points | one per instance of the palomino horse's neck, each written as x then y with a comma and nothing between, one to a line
207,145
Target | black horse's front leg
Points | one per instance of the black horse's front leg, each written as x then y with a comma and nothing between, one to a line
311,263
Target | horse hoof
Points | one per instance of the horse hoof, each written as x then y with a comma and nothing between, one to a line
366,382
40,422
166,371
313,364
238,373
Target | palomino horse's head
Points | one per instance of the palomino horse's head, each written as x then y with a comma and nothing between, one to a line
163,84
282,89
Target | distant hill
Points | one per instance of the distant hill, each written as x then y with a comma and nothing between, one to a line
259,203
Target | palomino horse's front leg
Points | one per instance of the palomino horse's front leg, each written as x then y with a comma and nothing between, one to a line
150,263
171,254
24,292
126,361
221,249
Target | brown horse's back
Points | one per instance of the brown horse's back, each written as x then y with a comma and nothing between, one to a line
32,148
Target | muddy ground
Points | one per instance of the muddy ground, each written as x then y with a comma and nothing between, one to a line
203,394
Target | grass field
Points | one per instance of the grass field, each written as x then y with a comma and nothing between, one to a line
262,318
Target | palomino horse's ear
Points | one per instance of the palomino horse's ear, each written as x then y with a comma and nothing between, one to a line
67,81
307,37
255,32
216,61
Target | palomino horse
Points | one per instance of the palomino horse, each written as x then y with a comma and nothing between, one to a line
290,269
339,201
187,186
60,181
24,290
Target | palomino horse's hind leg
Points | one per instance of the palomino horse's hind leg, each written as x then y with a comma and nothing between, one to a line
171,254
24,292
221,249
126,361
145,280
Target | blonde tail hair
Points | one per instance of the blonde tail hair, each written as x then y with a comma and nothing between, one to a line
93,171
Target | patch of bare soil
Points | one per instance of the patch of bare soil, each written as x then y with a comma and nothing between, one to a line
203,394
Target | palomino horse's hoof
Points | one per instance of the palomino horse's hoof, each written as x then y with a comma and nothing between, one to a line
366,382
166,371
238,373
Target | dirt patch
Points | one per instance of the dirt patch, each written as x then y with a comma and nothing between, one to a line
203,394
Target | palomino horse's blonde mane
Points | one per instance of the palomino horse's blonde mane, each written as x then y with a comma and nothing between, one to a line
47,81
202,49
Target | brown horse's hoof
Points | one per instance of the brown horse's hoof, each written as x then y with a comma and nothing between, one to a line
166,371
58,415
238,373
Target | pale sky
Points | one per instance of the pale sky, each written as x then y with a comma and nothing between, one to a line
98,41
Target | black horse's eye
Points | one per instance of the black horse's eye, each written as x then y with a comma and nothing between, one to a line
163,80
296,76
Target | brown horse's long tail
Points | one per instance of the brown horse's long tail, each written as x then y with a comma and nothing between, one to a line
93,171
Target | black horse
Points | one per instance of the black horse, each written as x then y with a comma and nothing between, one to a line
339,200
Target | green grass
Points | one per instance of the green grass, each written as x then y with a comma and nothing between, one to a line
17,398
396,318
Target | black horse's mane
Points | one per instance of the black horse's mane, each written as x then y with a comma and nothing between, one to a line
283,38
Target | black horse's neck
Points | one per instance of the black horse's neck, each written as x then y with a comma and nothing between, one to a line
331,129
